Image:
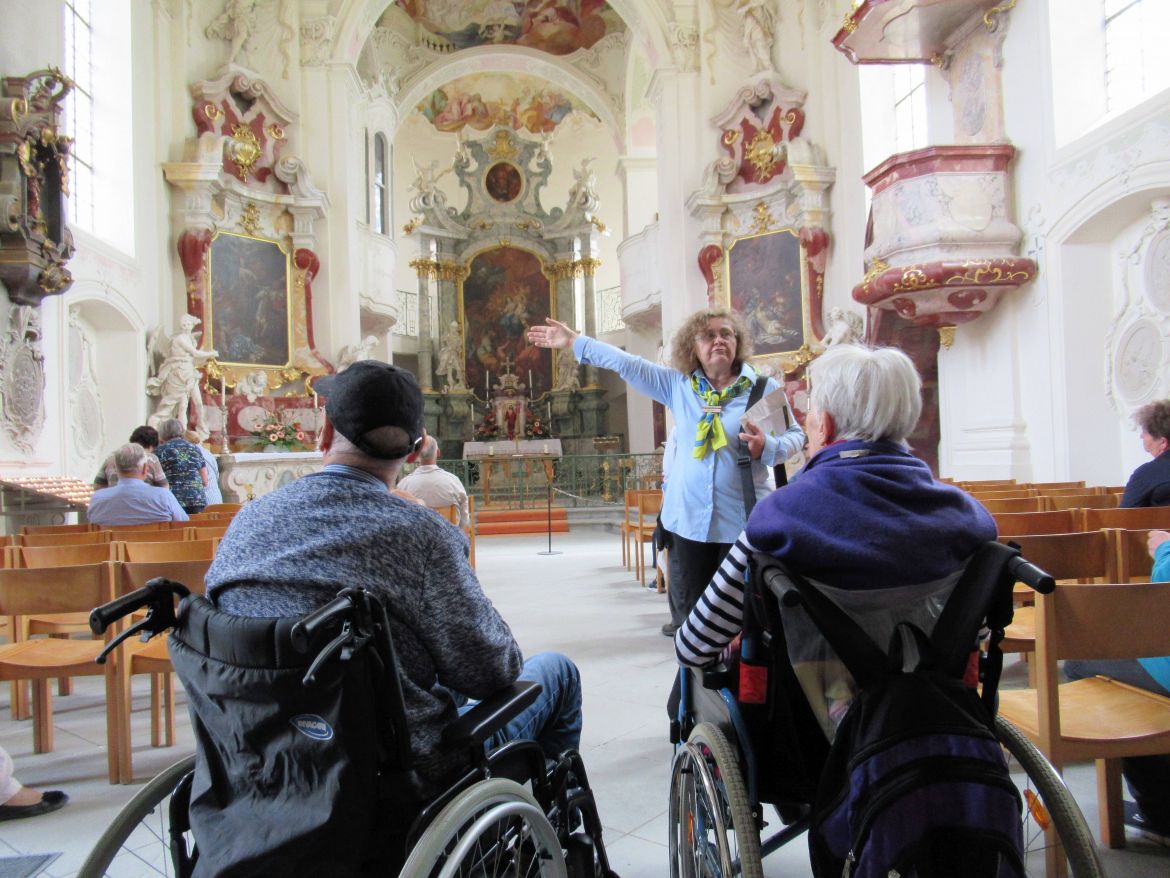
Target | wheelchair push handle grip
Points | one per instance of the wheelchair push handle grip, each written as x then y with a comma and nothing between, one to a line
305,630
157,593
1032,576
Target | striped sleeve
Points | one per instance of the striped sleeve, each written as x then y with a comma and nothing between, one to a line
718,616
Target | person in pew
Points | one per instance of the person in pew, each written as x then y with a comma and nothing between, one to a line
147,437
211,490
18,801
433,486
866,521
181,461
290,551
1149,485
131,500
1148,777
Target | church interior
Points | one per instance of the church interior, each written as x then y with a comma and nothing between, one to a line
208,205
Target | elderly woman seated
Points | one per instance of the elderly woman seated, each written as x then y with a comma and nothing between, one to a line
865,520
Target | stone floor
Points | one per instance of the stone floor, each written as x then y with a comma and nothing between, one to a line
581,602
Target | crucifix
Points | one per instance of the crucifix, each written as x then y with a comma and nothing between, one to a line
508,363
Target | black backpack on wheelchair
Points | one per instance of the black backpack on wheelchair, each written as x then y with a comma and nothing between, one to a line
915,782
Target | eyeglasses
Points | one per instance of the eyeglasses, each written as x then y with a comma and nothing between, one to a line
710,335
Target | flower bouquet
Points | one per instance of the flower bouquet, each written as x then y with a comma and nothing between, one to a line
283,437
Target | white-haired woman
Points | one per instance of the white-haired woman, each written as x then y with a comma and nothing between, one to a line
706,388
866,520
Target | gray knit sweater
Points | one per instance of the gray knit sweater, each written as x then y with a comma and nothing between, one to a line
291,551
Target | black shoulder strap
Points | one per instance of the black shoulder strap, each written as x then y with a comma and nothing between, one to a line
744,460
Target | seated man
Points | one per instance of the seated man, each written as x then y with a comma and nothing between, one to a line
290,551
131,500
433,486
866,521
147,437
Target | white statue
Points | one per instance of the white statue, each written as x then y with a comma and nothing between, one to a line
175,375
427,181
756,16
451,358
845,327
253,384
237,23
567,370
584,188
351,353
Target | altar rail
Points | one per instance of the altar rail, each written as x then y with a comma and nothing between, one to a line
579,480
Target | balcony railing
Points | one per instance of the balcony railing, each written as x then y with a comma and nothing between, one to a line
579,480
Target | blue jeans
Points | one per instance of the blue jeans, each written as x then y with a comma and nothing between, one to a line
554,719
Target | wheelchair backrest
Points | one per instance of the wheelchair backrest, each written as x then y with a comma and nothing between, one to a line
309,764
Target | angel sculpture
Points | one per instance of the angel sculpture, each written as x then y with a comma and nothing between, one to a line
253,384
175,375
567,370
427,181
584,188
845,327
451,358
351,353
757,32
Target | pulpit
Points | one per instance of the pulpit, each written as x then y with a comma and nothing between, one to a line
511,464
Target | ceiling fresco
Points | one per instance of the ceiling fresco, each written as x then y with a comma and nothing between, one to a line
559,27
481,100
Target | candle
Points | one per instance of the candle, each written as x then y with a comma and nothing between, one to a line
314,397
487,383
223,387
531,392
550,412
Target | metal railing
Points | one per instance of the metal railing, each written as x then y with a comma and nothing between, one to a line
578,480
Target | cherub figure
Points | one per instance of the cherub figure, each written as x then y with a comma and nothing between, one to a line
351,353
451,358
253,384
845,327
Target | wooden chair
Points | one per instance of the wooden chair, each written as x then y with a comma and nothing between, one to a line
186,550
629,516
1047,486
1015,523
231,508
65,539
149,525
1018,504
1133,555
1081,501
968,484
450,512
151,658
54,590
1142,518
144,535
649,505
471,529
210,532
1017,494
1096,718
85,527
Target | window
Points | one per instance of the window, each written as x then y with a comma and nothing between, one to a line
380,191
1134,30
366,165
893,110
79,106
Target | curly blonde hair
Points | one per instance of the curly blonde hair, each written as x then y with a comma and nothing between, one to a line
684,349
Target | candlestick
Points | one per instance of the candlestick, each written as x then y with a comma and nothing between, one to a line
223,388
550,413
487,384
314,398
531,392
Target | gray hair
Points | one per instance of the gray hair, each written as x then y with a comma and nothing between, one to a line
130,458
171,428
871,393
429,452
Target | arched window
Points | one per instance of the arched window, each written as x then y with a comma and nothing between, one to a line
79,111
380,191
893,110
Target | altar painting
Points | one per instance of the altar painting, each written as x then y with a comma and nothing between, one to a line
248,300
505,292
559,27
765,283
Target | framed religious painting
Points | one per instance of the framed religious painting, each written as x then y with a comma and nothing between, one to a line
765,281
249,308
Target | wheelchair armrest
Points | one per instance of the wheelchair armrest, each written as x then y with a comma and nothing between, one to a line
473,728
719,676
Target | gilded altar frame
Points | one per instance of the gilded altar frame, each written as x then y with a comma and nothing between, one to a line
253,316
765,279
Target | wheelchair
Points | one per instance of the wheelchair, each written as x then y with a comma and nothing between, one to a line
733,758
303,761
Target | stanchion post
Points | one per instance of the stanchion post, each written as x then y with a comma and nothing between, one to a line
549,525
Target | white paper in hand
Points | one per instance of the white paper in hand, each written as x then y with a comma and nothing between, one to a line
771,414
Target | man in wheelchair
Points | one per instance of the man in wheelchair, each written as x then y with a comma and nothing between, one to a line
288,553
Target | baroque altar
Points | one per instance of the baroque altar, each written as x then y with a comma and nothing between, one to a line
245,476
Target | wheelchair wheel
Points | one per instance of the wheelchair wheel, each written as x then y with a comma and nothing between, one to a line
494,828
713,831
1048,801
137,841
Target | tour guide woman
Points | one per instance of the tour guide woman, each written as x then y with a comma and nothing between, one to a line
707,392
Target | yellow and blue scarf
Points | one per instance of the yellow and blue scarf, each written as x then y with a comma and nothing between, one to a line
710,435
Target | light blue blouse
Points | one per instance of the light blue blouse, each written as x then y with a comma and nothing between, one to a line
704,499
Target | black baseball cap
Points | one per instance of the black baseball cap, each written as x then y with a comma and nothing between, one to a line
372,394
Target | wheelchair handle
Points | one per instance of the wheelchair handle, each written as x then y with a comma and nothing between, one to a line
158,594
303,632
1032,576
